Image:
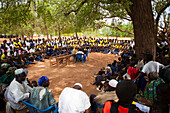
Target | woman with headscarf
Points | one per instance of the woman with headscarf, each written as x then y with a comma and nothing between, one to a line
42,97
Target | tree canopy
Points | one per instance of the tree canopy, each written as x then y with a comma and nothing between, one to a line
54,17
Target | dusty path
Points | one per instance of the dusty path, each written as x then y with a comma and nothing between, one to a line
67,76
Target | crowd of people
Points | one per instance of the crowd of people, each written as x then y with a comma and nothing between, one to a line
130,84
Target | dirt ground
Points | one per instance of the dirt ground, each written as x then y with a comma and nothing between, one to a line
67,76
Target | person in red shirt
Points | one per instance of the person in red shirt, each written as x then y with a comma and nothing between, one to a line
132,70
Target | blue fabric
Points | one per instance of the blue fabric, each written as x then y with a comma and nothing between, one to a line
108,74
28,63
31,44
42,80
142,82
34,109
97,105
79,56
114,68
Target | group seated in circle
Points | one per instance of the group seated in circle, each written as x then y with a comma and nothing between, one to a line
127,84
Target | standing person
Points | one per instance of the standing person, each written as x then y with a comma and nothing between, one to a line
18,90
73,100
150,66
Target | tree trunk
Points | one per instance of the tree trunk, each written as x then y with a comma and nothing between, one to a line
47,36
76,34
51,37
46,30
59,34
28,36
143,24
32,36
22,36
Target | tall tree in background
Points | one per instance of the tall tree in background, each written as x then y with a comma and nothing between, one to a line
139,11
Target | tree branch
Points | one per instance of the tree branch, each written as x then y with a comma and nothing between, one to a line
159,14
126,18
76,10
119,29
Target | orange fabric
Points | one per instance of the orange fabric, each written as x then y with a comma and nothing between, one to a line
123,110
107,107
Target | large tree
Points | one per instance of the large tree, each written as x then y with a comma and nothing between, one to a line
138,11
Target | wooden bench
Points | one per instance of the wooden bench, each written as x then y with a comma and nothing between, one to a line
67,57
60,58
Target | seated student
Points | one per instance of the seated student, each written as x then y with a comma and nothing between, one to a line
132,70
73,100
108,71
98,80
126,91
4,56
42,97
19,63
18,90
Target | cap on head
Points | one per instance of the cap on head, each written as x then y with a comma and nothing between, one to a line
19,71
113,83
78,84
26,72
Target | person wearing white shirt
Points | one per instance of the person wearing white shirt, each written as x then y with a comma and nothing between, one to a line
73,100
18,90
150,66
32,50
27,44
80,52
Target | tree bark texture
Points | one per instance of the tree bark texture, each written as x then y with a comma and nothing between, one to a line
143,24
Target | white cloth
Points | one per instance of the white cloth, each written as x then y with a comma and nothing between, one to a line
32,50
28,44
143,108
80,52
152,66
24,48
164,43
73,101
17,92
9,109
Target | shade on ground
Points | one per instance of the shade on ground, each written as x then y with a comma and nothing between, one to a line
67,76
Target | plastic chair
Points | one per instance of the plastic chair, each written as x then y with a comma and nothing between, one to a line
80,56
34,109
87,52
97,105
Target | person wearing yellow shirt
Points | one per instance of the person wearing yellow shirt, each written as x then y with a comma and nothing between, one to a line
3,56
17,44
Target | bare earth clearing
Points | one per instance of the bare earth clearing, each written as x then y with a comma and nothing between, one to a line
67,76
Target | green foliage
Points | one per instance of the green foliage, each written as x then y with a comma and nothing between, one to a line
56,17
